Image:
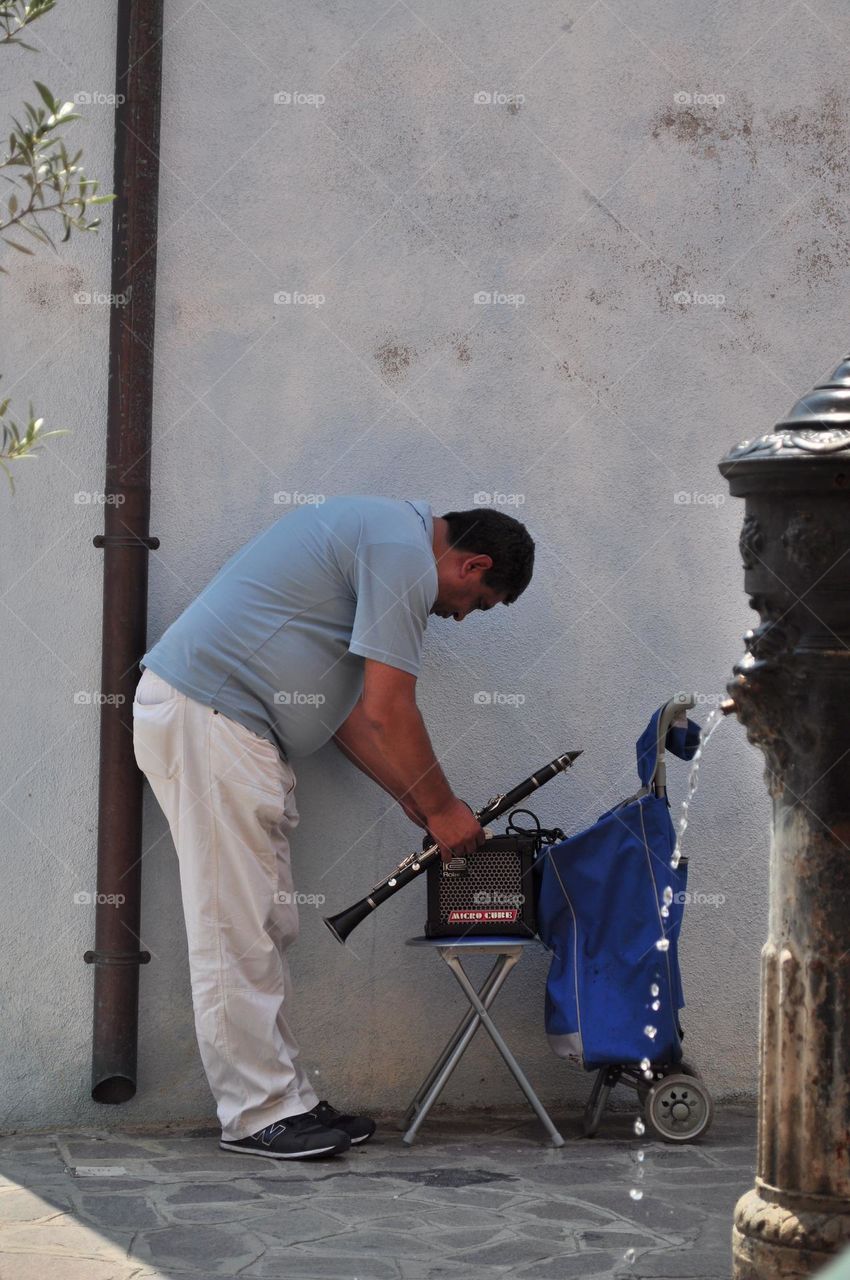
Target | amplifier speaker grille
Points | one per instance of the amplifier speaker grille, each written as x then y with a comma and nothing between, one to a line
491,891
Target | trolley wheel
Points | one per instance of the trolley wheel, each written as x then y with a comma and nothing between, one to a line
678,1108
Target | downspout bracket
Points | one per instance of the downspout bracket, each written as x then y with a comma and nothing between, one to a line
125,540
117,957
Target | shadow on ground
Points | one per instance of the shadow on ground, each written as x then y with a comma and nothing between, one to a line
471,1198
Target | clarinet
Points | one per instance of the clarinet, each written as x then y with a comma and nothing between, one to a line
414,864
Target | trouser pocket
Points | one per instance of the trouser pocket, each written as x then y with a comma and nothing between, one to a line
242,758
158,713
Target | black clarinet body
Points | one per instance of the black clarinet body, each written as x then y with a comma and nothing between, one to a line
415,864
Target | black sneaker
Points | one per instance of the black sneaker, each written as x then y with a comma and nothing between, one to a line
358,1128
292,1138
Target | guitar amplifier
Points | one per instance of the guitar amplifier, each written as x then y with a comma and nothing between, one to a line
487,893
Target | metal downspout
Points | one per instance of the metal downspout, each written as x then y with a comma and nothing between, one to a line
116,956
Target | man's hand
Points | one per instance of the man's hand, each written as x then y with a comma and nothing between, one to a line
456,829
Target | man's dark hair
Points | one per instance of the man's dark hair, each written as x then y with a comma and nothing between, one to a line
507,542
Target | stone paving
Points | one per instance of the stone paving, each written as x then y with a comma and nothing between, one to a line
476,1197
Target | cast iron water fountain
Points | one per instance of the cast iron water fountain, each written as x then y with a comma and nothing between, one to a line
791,691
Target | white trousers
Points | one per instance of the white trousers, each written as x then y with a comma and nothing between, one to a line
229,797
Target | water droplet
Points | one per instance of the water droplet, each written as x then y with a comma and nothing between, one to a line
630,1255
392,882
639,1127
652,1032
636,1193
647,1075
656,1005
665,911
667,895
640,1155
663,944
655,990
645,1064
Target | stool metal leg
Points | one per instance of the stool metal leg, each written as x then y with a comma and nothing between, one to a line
464,1031
453,1052
453,961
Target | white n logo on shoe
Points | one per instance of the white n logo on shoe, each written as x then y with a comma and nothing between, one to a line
268,1135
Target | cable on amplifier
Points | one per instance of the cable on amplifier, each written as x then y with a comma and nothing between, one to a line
542,835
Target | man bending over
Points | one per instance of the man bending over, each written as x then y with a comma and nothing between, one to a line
312,631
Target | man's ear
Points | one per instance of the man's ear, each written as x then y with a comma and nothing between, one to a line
476,563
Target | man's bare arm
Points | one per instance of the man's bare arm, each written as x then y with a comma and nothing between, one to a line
354,740
387,734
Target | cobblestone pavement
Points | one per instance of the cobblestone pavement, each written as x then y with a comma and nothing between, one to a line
473,1198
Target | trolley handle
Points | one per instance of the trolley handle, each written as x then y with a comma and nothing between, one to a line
671,711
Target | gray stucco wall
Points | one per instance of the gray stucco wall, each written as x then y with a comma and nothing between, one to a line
668,196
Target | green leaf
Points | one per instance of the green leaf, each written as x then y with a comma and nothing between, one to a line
46,96
36,232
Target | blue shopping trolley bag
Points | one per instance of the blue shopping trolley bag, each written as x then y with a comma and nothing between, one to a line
601,895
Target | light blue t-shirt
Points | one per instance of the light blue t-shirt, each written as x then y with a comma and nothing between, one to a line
277,639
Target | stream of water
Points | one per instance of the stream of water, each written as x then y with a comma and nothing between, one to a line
663,944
